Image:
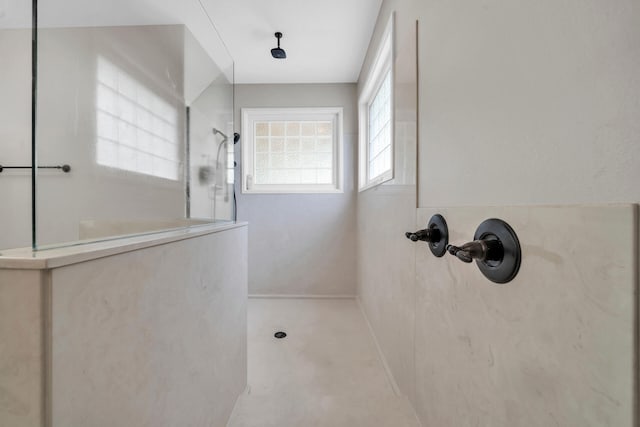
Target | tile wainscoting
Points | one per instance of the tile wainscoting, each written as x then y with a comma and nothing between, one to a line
152,334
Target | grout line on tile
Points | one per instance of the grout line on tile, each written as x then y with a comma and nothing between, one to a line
301,296
387,370
636,280
247,390
414,392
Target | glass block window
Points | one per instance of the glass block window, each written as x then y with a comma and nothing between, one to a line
292,150
136,129
379,153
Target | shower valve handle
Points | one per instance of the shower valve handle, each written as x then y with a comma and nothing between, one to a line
436,235
468,251
481,250
496,249
426,235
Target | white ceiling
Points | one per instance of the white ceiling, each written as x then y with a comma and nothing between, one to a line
325,40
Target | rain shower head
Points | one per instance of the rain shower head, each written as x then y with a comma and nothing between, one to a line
277,52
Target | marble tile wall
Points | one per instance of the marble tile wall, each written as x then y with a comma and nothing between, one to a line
152,337
556,346
21,348
386,260
386,278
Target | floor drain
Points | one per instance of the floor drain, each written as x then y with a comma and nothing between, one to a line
280,335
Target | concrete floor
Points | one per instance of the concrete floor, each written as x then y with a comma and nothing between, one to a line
326,372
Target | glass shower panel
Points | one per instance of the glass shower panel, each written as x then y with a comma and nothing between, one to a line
211,139
15,123
128,93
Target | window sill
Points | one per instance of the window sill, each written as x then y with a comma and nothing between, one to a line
293,191
377,181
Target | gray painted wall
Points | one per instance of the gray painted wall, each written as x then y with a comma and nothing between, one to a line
301,244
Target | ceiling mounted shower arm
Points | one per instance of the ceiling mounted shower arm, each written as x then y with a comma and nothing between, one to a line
278,52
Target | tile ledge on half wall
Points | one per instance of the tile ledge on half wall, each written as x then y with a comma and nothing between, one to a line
27,259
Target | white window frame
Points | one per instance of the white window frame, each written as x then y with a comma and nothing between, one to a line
382,65
252,115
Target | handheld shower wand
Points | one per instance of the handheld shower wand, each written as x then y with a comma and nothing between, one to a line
225,139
